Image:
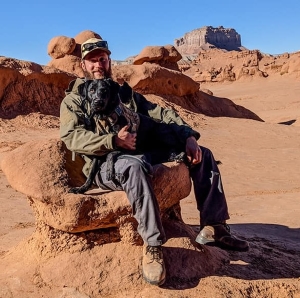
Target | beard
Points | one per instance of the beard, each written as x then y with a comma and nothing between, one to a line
99,74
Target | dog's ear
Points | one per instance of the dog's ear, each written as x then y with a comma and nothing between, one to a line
83,89
125,93
114,89
114,85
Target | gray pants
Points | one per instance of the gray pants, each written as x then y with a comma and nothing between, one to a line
132,177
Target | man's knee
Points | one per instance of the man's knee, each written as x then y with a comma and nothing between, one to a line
137,165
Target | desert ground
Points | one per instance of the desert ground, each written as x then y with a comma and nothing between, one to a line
260,172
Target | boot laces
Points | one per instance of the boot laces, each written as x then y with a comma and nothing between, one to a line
155,253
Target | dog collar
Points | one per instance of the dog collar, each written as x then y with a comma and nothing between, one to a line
118,110
113,116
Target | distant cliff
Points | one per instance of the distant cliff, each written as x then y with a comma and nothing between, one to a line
206,38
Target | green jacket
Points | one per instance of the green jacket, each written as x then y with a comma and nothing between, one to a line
79,139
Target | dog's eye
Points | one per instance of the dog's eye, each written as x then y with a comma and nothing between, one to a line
92,90
103,91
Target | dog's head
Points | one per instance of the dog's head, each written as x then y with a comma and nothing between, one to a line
102,95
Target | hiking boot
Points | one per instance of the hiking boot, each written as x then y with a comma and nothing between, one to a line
154,271
220,235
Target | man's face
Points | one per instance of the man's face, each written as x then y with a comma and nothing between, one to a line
96,65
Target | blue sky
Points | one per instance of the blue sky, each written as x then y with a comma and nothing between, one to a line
26,27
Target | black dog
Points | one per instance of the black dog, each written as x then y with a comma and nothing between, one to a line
157,141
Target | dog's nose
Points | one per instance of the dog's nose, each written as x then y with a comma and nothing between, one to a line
98,105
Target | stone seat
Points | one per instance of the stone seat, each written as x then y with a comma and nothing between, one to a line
45,172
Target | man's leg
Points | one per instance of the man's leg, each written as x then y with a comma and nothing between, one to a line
211,202
132,177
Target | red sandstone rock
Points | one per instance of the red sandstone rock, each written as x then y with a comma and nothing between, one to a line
166,56
68,63
152,78
156,54
28,87
85,35
60,46
44,172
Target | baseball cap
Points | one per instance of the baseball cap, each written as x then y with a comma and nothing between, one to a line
93,44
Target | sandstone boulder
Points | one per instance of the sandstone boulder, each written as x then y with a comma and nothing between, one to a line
44,172
152,78
27,87
165,56
85,35
66,53
68,63
60,46
84,245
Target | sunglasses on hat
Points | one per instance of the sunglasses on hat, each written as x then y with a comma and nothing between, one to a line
91,46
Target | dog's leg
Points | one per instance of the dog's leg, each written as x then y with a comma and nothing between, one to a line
88,183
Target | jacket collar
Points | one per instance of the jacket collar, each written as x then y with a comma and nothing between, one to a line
73,86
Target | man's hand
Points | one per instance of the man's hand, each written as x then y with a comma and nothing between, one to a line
125,139
193,151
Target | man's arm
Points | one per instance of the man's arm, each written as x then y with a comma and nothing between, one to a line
168,116
182,129
140,104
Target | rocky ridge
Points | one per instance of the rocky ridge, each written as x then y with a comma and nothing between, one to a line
206,38
211,54
217,65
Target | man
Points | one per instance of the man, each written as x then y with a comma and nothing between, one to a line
131,174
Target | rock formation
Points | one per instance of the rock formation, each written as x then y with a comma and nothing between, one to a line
216,65
94,234
27,87
65,52
155,70
208,37
165,56
45,171
159,62
151,78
